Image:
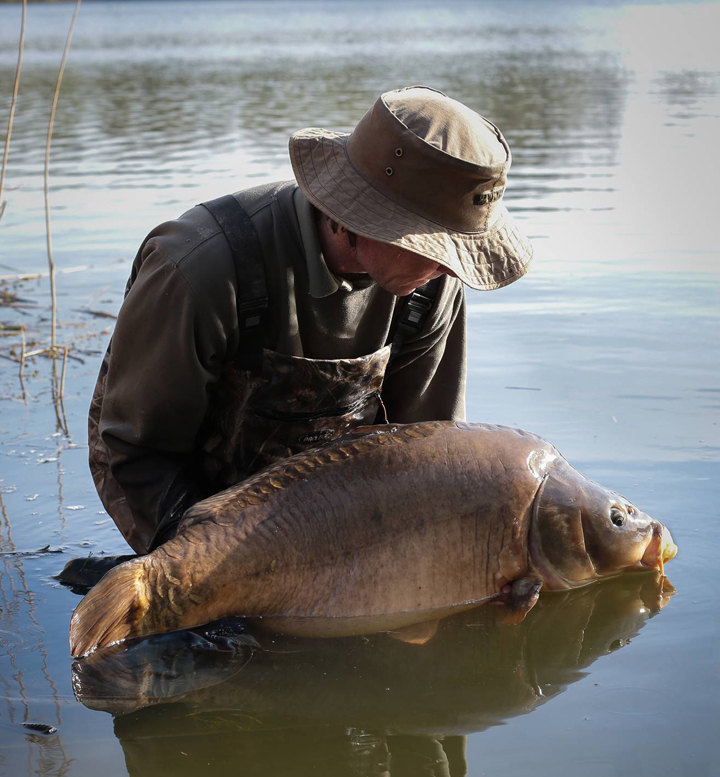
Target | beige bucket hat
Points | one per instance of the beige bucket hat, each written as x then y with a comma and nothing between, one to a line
424,172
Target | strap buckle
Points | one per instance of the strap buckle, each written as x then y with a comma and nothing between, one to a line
250,313
417,308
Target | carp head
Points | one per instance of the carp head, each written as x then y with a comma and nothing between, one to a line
582,532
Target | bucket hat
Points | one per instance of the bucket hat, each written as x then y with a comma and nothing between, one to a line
423,172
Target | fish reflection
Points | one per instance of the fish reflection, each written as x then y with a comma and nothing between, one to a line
367,706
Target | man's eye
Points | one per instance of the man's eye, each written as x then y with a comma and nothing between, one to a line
617,516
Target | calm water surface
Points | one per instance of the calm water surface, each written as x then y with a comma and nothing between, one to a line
610,348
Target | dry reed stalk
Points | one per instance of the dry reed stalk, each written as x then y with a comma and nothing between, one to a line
36,352
31,276
66,350
16,86
22,357
6,521
51,263
58,387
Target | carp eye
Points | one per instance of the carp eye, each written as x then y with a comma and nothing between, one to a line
617,516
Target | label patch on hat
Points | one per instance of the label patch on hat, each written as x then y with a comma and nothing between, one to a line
487,197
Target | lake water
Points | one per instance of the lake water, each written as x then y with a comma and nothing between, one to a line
609,348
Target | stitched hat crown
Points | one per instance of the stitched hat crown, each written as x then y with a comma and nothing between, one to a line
433,156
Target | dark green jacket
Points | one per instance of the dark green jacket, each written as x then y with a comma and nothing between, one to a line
178,326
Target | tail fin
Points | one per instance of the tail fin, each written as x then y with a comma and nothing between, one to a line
112,611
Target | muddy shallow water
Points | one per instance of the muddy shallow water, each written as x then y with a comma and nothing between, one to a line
609,348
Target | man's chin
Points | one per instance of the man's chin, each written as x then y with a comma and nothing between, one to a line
402,289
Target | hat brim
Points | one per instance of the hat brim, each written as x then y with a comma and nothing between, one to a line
483,260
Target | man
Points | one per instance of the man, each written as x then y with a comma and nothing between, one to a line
264,323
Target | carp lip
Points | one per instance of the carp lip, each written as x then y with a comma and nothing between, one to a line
660,549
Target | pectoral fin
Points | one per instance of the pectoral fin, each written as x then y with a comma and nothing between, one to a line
417,634
519,600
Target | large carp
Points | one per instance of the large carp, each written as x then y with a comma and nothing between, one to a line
381,531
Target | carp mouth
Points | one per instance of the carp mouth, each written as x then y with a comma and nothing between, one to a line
659,550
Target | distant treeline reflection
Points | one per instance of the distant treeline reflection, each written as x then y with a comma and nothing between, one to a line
131,115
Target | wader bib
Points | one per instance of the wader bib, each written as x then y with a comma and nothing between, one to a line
291,405
266,405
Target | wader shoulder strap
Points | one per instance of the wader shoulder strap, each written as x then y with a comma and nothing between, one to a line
414,314
252,300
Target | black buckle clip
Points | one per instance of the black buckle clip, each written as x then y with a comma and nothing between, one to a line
417,309
250,313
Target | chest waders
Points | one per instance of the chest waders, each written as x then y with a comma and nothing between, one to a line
267,405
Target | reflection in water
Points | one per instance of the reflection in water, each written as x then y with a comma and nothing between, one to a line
22,632
255,106
364,706
222,111
22,635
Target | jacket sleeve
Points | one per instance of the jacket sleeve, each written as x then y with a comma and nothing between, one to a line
426,380
166,350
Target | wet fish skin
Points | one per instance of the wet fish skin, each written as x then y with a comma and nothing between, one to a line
372,533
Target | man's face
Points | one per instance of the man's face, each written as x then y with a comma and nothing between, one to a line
395,269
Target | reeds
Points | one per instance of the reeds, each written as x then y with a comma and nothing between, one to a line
53,350
48,144
13,103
